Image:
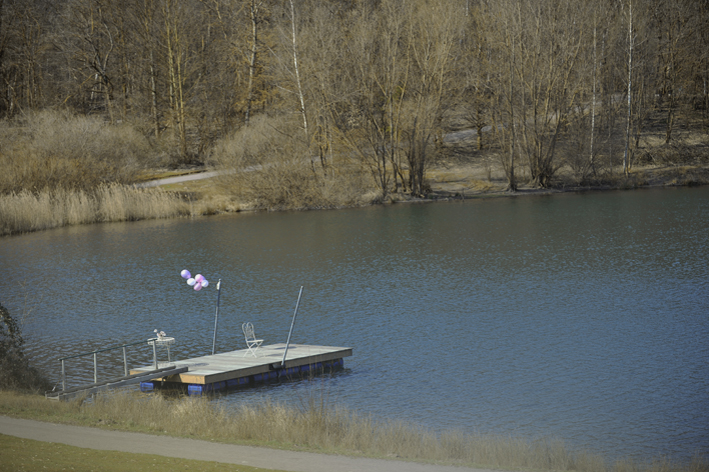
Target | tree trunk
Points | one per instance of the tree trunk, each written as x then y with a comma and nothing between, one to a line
154,97
296,69
511,180
626,154
254,11
593,100
174,57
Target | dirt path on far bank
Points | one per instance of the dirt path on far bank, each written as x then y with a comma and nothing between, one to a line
101,439
180,179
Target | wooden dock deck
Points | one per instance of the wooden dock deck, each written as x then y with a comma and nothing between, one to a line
230,369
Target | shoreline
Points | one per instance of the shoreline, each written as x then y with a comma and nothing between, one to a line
191,195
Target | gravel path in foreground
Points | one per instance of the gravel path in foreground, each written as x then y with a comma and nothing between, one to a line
101,439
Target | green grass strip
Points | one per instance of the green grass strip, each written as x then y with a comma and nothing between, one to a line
19,454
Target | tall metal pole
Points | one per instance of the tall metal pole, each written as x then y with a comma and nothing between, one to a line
285,353
216,316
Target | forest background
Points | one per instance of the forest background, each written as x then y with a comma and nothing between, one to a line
327,103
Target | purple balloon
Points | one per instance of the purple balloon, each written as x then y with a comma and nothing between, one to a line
185,274
204,283
197,287
191,281
199,277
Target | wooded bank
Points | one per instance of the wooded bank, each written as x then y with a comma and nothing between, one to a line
330,94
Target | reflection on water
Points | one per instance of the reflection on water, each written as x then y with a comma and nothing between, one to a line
583,317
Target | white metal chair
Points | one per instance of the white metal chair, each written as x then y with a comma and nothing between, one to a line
251,342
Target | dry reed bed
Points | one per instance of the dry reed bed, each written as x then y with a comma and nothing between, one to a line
317,426
27,211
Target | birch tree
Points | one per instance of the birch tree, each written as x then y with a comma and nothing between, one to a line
296,71
255,11
594,83
631,46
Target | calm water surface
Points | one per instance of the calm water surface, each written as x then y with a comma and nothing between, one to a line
581,317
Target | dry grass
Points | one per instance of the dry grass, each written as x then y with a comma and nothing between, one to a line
27,211
59,150
62,169
314,425
461,180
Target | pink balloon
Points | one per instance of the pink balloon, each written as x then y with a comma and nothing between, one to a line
197,287
185,274
199,277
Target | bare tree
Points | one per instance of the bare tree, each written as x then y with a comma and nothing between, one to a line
146,20
296,71
640,78
255,8
93,48
187,49
24,42
323,64
631,45
594,80
176,54
548,51
477,53
672,24
433,31
506,17
701,27
375,84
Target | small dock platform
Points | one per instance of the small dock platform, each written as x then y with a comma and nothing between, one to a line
240,367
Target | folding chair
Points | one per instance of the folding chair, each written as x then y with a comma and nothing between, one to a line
251,342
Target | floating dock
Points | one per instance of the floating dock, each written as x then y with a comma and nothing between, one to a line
240,367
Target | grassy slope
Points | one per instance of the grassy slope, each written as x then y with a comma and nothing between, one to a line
312,428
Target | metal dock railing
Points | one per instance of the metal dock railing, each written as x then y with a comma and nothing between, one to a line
126,379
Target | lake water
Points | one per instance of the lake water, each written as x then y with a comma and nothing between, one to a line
583,317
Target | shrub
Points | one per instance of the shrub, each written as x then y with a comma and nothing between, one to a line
15,370
269,167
